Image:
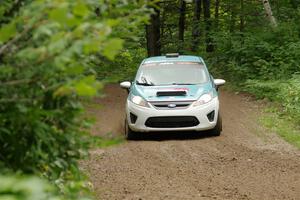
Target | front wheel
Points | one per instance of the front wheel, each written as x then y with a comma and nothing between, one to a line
218,128
129,134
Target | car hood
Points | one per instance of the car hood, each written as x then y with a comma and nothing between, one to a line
193,92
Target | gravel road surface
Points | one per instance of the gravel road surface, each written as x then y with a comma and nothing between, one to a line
245,162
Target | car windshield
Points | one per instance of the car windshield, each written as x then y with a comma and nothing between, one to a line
177,73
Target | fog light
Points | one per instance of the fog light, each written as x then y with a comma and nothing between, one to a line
211,116
133,118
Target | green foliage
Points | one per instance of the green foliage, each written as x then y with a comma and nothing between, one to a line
124,66
17,188
266,63
129,23
41,83
259,57
265,66
29,188
7,32
282,125
107,141
47,51
285,92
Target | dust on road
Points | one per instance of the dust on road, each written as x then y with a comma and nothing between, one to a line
245,162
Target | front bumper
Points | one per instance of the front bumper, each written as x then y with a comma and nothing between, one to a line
199,112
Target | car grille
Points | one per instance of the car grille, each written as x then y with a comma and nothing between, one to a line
165,105
172,122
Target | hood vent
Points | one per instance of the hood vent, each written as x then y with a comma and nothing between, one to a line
171,93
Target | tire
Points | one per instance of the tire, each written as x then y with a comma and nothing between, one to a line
129,134
218,128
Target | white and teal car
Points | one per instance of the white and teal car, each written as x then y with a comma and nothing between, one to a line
172,93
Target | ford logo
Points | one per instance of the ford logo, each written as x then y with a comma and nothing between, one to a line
171,105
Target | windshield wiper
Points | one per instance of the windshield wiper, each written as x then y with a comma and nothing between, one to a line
144,84
183,84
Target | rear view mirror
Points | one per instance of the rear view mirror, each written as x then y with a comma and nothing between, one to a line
219,82
125,85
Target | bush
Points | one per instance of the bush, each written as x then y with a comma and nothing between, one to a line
25,188
265,63
46,51
285,92
29,188
124,66
42,77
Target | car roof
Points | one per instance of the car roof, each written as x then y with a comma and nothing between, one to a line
181,58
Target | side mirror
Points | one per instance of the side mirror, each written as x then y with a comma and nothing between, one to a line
219,82
125,85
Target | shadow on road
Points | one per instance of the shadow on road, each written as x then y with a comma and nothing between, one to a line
162,136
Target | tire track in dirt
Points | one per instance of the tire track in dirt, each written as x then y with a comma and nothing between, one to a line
245,162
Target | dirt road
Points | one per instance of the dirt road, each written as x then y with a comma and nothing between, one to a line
245,162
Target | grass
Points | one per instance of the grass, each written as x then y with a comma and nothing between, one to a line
275,120
282,125
102,142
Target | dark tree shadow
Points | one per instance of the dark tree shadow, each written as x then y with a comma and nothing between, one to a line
179,135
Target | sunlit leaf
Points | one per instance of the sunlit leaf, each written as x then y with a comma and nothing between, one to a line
112,47
92,47
75,69
80,9
84,89
7,31
59,15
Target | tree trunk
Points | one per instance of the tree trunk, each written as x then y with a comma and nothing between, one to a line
295,3
217,6
233,11
153,34
207,20
269,13
162,21
242,17
242,22
196,25
181,24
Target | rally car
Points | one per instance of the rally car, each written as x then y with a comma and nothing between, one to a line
172,93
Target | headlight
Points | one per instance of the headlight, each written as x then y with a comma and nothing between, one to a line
205,98
139,101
